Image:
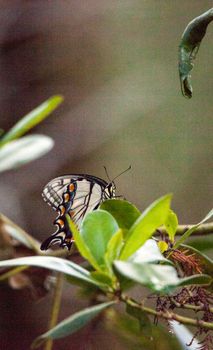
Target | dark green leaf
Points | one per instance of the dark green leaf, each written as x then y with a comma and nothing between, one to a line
125,213
153,217
72,324
24,150
32,119
202,243
188,48
195,280
171,224
97,229
188,233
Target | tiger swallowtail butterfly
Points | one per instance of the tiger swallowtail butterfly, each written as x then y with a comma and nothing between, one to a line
75,195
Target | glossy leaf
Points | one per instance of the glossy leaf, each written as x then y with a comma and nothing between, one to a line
149,253
32,119
54,264
72,324
24,150
153,217
188,48
171,224
188,233
97,229
158,277
124,212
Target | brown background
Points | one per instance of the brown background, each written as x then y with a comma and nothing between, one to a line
115,62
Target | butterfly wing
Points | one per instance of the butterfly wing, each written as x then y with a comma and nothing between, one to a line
75,195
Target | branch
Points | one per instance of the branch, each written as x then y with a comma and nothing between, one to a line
166,315
203,229
55,307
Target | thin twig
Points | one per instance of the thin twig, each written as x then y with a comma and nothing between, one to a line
203,229
55,307
166,314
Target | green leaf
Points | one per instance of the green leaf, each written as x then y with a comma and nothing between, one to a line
81,245
102,277
149,253
202,243
97,229
192,229
159,278
156,277
72,324
171,224
195,280
153,217
124,212
188,48
113,248
24,150
32,119
55,264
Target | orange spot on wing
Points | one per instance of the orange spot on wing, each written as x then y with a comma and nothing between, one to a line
71,187
66,197
62,209
60,222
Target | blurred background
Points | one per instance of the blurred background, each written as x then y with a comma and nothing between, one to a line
115,62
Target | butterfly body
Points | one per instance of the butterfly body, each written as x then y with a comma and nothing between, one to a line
75,195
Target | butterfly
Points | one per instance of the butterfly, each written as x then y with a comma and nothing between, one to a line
75,195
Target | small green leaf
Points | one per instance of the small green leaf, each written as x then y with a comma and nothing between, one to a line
97,229
195,280
153,217
24,150
81,245
72,324
113,248
188,48
124,212
192,229
52,263
32,119
171,224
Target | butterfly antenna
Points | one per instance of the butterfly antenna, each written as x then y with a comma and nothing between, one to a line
107,174
122,173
